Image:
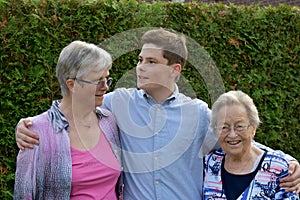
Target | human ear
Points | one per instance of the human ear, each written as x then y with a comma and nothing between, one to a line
70,84
253,132
177,68
176,71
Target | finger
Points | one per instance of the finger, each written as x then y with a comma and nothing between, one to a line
290,186
27,135
27,122
22,145
19,145
25,141
30,138
287,179
298,191
292,167
295,189
294,177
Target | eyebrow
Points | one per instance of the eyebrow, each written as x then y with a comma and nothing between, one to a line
148,58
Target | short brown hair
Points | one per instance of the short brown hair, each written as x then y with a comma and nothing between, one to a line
173,45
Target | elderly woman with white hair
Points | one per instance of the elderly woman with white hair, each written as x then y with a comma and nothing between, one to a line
78,153
241,170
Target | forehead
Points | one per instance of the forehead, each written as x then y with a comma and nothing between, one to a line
233,113
151,50
97,74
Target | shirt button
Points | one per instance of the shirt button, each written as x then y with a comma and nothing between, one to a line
157,182
156,158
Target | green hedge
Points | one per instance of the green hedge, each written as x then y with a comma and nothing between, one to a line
255,50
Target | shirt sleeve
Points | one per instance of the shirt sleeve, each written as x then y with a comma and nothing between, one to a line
107,101
25,175
210,141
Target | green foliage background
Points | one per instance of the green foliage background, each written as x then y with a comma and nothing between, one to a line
255,49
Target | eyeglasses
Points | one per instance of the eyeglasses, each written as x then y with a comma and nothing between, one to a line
237,129
100,83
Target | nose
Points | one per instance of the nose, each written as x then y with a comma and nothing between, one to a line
140,67
232,132
103,87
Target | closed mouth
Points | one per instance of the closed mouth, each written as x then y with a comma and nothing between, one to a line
142,77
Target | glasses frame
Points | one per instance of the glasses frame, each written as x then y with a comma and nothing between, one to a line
224,130
108,81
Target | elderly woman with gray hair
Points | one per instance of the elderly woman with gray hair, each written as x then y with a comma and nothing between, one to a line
241,170
77,157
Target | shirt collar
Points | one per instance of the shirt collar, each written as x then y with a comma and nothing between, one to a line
100,112
169,100
58,120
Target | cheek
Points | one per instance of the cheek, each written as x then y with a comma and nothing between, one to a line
221,138
248,138
136,68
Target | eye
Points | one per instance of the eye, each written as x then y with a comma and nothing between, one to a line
140,60
224,129
152,62
240,127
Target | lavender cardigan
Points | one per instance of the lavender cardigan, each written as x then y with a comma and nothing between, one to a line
45,171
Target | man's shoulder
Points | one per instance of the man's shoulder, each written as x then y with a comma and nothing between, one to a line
122,91
188,100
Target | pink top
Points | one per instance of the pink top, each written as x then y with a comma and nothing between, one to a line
94,172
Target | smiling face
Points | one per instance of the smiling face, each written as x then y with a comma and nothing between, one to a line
153,71
237,142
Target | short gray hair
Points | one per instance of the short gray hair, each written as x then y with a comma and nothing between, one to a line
235,98
77,60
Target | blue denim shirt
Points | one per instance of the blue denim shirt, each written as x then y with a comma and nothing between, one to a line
160,143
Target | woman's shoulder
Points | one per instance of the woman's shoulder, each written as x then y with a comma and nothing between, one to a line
107,120
215,156
40,123
275,162
103,112
105,116
275,157
40,120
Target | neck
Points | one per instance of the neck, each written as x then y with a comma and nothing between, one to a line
161,94
242,164
76,113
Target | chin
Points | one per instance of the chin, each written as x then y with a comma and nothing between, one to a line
141,86
98,103
148,86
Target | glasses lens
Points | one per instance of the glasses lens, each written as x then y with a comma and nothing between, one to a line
109,81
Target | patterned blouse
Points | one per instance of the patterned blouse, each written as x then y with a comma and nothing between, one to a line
264,185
